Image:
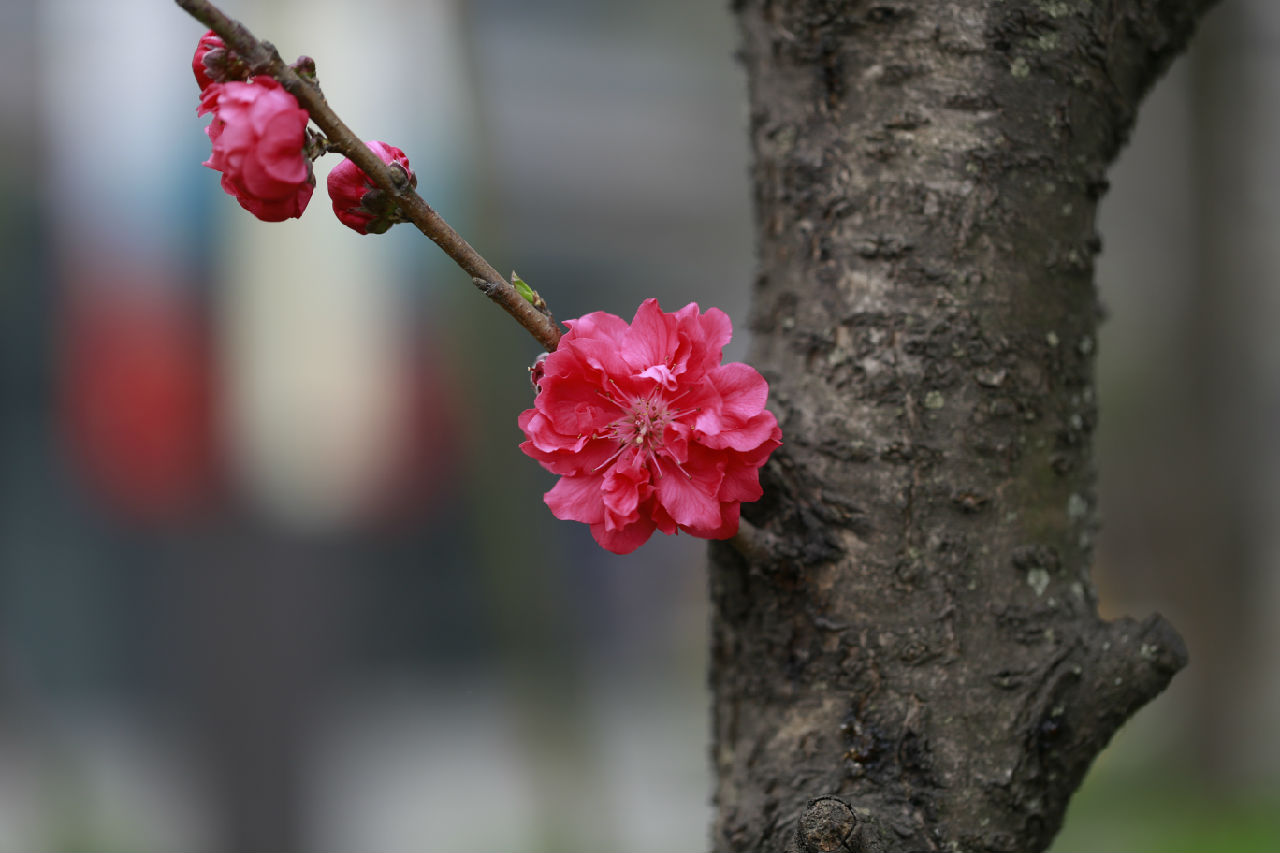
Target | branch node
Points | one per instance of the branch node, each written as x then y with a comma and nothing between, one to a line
1137,659
759,546
268,61
399,178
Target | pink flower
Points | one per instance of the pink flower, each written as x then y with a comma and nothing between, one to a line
259,133
359,204
209,42
647,429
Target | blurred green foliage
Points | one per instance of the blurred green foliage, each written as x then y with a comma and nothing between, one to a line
1154,810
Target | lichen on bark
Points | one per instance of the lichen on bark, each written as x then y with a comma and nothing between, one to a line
924,646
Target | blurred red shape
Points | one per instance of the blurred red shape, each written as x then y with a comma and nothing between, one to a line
137,397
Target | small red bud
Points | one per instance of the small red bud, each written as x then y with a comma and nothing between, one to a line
357,202
537,370
214,62
209,42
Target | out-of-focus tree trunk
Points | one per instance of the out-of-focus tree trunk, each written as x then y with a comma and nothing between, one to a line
912,657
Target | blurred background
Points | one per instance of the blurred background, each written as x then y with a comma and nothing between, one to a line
273,573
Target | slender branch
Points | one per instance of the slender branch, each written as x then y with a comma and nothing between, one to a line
262,58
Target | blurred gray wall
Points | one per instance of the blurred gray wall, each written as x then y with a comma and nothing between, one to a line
1190,388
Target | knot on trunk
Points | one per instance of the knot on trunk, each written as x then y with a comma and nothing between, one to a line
830,825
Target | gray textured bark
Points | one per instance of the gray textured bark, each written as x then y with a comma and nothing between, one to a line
916,661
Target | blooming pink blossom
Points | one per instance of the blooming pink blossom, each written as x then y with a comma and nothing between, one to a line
647,429
259,133
359,204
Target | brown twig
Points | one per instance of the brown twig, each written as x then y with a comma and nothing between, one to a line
262,58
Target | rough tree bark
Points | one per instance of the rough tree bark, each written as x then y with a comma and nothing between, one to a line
913,660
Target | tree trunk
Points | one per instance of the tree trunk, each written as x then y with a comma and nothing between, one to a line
910,657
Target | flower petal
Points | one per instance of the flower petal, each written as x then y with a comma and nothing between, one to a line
626,539
687,498
743,391
740,421
577,499
729,520
651,338
626,484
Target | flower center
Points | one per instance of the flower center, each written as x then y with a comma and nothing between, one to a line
642,425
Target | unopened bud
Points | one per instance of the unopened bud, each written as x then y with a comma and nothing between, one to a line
305,67
537,370
214,62
361,205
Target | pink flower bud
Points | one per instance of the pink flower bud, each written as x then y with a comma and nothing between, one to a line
259,135
357,202
537,370
214,62
210,41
